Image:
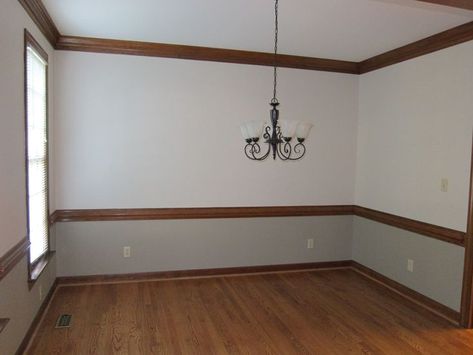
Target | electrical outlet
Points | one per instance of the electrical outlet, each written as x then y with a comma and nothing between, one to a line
444,184
410,265
126,252
310,243
40,291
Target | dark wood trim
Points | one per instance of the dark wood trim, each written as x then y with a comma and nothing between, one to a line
128,214
37,320
31,41
467,285
406,292
449,38
198,213
427,229
101,45
3,323
37,268
53,218
42,19
201,272
13,256
462,4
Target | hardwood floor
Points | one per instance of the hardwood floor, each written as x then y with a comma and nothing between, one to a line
311,312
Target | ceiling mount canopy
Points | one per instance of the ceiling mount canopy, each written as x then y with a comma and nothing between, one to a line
278,134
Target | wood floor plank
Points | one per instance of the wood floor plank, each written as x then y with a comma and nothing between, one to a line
311,312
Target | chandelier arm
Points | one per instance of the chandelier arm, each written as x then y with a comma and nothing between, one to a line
253,149
267,152
248,149
284,151
299,150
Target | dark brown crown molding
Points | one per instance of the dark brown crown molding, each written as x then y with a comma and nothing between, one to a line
13,256
462,4
449,38
100,45
41,18
198,213
427,229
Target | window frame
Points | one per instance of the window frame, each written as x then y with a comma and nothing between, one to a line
35,269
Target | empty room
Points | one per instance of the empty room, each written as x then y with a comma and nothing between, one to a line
236,177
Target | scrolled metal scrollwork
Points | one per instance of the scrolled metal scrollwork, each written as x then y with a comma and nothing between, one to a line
253,149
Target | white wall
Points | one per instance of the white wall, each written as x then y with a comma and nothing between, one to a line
415,127
151,132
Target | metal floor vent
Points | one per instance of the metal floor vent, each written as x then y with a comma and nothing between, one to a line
64,321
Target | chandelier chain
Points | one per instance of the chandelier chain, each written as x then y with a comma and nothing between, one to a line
276,30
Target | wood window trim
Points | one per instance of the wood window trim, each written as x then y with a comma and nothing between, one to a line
35,269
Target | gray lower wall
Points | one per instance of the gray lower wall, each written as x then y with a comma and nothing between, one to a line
93,248
21,304
438,266
88,248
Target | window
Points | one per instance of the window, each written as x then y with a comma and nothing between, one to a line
36,123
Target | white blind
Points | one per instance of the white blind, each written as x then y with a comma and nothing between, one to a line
37,163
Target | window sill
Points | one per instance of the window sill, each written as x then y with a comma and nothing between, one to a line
37,269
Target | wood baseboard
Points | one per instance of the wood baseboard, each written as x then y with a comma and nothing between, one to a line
37,319
408,293
228,271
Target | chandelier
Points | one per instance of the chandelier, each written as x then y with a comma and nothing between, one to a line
279,134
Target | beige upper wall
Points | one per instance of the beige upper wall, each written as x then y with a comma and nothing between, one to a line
153,132
13,20
415,128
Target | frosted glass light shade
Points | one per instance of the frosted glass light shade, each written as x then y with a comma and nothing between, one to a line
303,129
244,131
255,128
288,128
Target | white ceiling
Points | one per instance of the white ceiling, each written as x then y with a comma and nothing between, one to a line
336,29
